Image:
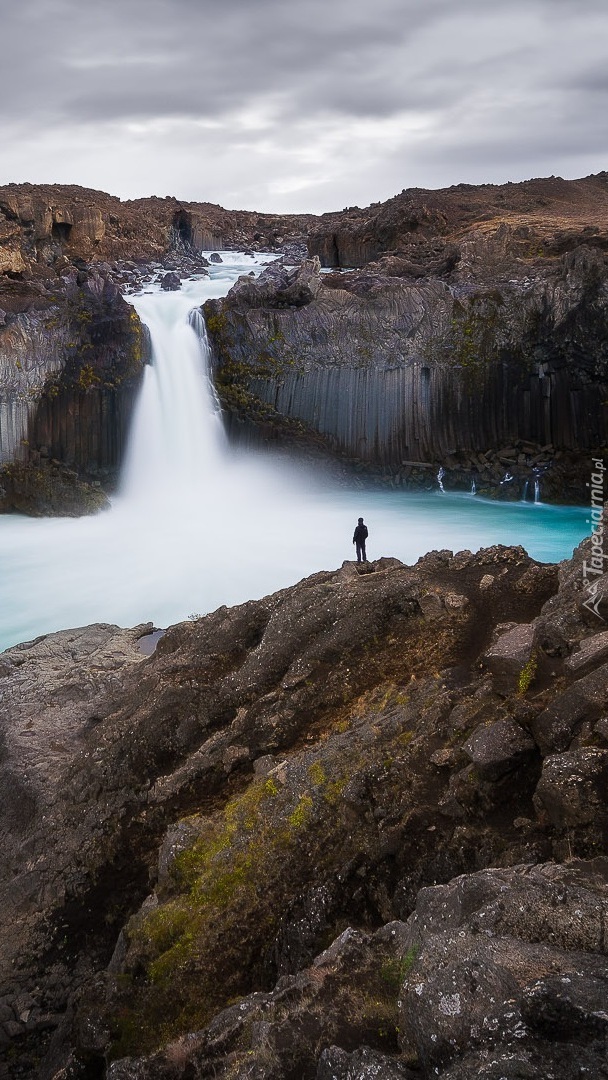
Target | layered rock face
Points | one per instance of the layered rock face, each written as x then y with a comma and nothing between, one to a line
500,383
422,233
243,855
42,223
70,366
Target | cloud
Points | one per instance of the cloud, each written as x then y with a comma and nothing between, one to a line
314,105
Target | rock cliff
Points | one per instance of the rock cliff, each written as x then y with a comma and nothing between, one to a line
41,224
421,233
355,828
71,358
496,375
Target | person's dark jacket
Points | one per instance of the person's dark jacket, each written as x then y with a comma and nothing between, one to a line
360,534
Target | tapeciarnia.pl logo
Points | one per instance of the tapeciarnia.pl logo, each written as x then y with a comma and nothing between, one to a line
593,569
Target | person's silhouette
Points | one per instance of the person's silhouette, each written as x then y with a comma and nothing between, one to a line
359,537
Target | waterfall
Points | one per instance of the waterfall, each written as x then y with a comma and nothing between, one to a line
524,497
177,434
536,491
473,487
440,476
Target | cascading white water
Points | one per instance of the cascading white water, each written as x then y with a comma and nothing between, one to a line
196,524
177,434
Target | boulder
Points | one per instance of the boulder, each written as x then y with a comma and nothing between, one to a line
508,655
555,727
501,965
573,788
591,651
510,651
498,749
171,282
278,286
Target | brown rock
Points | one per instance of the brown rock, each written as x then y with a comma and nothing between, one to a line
592,650
498,749
586,699
573,788
509,654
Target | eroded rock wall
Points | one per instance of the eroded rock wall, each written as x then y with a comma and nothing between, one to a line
394,372
421,232
40,224
70,368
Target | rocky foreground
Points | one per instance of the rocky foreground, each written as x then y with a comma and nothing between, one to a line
355,829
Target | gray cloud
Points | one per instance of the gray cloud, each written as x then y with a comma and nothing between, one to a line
305,106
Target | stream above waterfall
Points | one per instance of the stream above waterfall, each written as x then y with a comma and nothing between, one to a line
198,523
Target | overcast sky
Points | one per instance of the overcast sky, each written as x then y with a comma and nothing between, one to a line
300,105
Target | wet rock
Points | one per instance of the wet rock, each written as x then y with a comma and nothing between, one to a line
170,282
215,258
42,489
278,287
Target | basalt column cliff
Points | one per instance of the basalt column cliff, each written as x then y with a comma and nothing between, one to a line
474,338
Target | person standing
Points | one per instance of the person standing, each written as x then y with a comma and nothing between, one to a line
359,537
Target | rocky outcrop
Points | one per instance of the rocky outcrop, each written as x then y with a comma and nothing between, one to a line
503,978
42,224
504,386
488,228
188,835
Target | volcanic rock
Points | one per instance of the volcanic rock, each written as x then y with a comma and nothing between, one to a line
170,282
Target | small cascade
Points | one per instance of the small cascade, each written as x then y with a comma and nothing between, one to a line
536,491
198,324
507,478
440,476
473,487
524,497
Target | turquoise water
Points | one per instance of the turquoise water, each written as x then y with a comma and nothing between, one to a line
260,528
548,533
